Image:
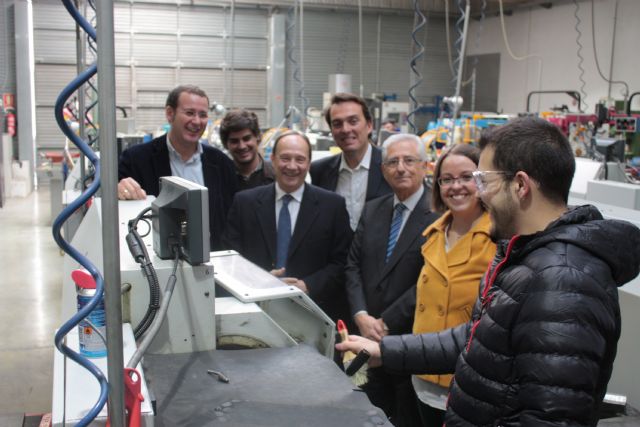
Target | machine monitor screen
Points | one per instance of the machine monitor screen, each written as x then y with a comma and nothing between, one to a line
612,149
181,217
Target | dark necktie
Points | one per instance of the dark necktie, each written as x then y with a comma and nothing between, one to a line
284,232
394,232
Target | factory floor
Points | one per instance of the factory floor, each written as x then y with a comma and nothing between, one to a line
31,271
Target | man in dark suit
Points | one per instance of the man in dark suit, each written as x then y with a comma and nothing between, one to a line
355,174
296,231
384,263
180,153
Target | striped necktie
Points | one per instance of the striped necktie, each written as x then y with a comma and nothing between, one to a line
394,232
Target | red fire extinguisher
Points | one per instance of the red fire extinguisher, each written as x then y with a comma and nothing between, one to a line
11,123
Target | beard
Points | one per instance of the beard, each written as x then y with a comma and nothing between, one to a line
503,219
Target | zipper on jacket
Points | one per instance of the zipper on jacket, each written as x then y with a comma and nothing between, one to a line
485,298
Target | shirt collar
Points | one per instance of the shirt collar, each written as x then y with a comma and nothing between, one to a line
174,153
297,195
411,201
365,163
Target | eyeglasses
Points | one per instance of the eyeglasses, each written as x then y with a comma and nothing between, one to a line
191,114
480,178
449,181
407,161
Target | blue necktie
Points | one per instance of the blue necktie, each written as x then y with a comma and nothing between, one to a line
284,232
394,232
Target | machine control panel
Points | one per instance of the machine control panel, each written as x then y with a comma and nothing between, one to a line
626,124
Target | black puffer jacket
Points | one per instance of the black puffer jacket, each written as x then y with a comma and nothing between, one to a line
540,347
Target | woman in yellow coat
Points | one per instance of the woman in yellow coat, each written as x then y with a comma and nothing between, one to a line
456,254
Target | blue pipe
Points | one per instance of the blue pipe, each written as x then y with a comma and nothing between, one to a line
72,323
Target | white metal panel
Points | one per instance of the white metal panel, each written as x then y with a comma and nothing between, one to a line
122,48
123,86
51,14
210,81
54,46
201,51
122,17
154,19
155,78
201,21
155,50
50,80
48,132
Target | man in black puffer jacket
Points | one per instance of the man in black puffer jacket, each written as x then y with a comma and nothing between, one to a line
540,347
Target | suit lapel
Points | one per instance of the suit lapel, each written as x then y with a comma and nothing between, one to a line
412,230
375,173
160,158
266,217
209,171
332,173
307,214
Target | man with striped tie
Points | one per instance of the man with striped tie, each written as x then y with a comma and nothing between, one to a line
384,263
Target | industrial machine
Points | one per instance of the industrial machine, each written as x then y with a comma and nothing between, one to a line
261,355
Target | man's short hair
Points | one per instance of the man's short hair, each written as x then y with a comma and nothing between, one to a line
174,95
339,98
538,148
236,121
289,133
398,137
470,152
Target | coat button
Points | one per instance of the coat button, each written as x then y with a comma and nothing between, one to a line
440,311
421,307
424,278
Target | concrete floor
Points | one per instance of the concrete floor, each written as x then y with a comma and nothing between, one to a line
31,266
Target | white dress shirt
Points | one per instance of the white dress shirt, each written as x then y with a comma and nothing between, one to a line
191,169
352,185
294,204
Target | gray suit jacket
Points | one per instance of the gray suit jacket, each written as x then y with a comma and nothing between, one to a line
387,290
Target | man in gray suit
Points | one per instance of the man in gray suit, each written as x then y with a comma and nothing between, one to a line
384,263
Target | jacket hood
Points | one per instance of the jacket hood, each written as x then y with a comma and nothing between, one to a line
615,242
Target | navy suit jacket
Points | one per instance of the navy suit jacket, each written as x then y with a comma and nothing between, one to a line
324,173
318,247
387,290
146,163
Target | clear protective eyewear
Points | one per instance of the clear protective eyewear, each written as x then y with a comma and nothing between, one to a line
480,178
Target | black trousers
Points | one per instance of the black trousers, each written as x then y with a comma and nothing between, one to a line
395,396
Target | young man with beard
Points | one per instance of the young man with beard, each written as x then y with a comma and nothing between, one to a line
540,347
240,135
180,153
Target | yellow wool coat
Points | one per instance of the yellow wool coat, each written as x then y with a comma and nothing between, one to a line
449,281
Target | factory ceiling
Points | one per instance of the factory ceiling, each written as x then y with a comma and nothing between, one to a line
435,7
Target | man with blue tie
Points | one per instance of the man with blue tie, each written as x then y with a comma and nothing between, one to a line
384,264
295,230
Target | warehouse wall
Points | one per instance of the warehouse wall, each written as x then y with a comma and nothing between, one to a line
161,44
550,33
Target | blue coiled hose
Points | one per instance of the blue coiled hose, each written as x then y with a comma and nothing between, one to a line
65,214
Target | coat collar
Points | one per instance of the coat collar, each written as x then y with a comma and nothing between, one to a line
460,253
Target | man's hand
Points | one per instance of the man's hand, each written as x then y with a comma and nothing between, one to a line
278,273
356,344
129,189
297,283
370,327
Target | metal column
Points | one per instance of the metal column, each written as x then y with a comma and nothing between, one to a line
110,241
